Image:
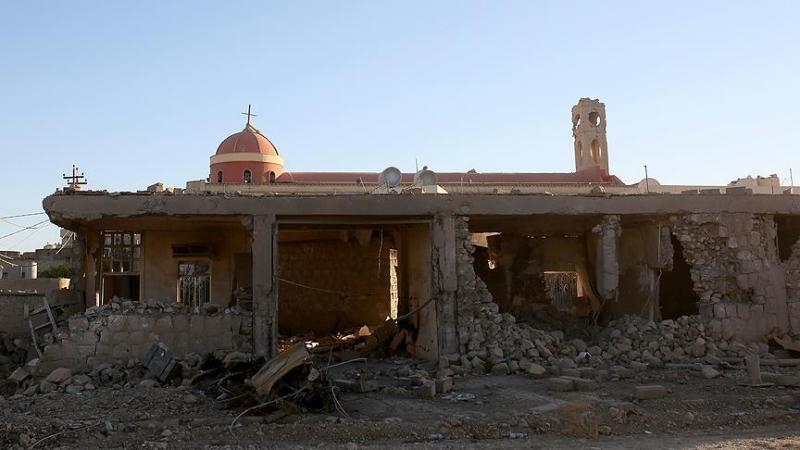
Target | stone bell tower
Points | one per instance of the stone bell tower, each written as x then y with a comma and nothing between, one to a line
589,131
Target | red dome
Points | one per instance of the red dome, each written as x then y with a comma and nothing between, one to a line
246,157
249,140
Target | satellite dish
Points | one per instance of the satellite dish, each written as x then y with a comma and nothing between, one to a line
390,177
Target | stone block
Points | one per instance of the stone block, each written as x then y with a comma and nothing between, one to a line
120,337
78,324
650,392
536,370
59,375
500,369
19,375
116,323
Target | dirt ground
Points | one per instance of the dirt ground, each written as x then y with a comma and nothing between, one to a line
482,412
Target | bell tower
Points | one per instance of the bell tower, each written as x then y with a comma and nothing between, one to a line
589,132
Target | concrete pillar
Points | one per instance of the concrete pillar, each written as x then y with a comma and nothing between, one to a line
607,258
445,282
263,235
91,268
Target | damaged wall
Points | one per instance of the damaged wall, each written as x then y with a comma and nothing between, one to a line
736,272
488,340
792,270
116,336
12,307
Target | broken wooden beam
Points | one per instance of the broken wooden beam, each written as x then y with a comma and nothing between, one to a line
276,368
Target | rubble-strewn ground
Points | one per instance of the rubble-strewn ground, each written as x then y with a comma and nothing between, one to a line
482,412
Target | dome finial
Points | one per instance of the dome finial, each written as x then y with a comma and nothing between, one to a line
249,114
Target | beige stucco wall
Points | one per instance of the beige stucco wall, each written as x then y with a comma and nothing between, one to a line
160,273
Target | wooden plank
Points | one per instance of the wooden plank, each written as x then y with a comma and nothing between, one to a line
50,316
27,317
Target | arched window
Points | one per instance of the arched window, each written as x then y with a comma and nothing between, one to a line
271,177
219,177
248,177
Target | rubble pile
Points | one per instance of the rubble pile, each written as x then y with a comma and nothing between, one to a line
13,353
66,381
635,339
491,341
119,305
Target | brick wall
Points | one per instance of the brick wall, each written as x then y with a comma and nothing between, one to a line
357,274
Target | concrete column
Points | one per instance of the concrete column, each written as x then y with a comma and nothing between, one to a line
91,280
446,282
263,232
607,258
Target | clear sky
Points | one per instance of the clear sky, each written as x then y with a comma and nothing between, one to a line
143,91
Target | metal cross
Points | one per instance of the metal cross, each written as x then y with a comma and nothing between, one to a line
75,180
249,114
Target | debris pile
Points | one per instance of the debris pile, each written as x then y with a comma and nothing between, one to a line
119,305
635,339
13,353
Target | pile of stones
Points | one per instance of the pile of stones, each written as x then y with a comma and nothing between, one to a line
64,380
119,305
632,339
13,352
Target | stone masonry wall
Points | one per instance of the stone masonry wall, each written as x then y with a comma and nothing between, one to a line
119,338
736,272
792,270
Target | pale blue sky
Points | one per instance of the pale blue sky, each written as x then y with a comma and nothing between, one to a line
139,92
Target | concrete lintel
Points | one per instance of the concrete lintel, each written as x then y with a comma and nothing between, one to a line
65,208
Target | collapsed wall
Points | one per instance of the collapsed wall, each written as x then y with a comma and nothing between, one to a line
736,272
122,332
489,340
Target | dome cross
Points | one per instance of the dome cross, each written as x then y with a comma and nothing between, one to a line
249,114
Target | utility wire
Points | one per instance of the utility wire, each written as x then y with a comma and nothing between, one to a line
32,227
22,215
11,223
